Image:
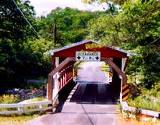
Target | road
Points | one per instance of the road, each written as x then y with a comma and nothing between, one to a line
88,103
91,72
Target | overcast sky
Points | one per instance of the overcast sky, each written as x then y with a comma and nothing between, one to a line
43,7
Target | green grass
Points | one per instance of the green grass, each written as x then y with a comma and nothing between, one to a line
105,67
36,99
16,120
7,99
146,103
148,99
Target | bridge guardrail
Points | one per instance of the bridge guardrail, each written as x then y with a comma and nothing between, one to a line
24,108
126,107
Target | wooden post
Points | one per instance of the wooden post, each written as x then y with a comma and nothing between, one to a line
56,61
56,86
118,70
49,87
124,61
122,68
53,62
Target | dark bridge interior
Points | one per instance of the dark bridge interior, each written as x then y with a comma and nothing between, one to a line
93,94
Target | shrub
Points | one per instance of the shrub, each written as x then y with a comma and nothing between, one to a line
7,99
146,102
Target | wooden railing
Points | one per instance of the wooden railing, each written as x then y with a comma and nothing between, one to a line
24,108
65,76
59,77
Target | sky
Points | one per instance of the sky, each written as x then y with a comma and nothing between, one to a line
43,7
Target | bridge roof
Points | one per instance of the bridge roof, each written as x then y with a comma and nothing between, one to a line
89,45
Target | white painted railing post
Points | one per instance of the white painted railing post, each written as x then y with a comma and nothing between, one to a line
40,106
56,86
56,61
121,99
20,109
122,69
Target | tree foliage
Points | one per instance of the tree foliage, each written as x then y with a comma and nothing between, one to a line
65,26
135,27
13,25
21,55
120,2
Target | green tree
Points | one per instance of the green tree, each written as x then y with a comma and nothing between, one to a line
136,28
13,24
14,34
120,2
65,26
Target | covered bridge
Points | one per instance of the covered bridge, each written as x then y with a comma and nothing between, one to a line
63,60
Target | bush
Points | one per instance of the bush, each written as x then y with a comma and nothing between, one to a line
149,99
7,99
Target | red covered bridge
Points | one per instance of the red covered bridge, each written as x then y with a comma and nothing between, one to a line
80,101
63,60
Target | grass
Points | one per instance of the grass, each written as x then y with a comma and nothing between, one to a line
142,121
148,99
145,103
7,99
105,67
35,99
16,120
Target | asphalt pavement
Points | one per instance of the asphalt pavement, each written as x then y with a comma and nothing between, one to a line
89,103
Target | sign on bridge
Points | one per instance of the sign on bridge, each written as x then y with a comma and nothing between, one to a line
88,56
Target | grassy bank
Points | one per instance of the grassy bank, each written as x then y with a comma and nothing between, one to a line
148,99
16,120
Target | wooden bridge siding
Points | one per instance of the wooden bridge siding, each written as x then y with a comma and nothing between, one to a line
65,76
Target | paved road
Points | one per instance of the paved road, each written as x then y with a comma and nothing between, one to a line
80,114
87,104
91,72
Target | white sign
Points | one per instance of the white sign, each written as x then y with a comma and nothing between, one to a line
88,56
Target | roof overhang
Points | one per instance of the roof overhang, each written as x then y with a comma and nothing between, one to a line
107,51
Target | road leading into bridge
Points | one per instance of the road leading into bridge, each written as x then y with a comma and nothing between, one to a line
91,72
89,103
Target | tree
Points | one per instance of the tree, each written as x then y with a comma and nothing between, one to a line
13,24
120,2
135,27
14,33
65,26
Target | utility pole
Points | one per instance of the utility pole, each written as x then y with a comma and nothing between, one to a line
55,33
